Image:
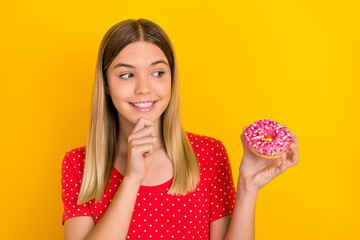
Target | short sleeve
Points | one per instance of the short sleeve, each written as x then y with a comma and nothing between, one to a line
70,190
222,188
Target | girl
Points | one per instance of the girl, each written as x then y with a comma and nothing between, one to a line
143,176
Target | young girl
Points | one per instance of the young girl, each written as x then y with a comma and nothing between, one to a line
141,176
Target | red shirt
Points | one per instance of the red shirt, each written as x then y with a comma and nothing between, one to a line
157,214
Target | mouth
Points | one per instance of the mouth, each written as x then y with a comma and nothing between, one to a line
144,104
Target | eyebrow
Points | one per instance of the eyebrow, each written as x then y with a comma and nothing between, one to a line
130,66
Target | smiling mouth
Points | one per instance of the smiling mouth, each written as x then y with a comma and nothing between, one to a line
143,104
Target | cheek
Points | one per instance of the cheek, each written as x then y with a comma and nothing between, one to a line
119,94
165,88
116,101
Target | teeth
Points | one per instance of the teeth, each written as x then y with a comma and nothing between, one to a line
143,105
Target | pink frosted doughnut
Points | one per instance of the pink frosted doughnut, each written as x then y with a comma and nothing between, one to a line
268,139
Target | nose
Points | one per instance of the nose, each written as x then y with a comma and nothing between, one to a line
143,85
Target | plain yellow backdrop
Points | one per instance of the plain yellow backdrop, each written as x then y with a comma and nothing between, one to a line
295,62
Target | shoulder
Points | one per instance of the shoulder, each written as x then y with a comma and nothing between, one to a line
208,149
74,160
197,138
206,144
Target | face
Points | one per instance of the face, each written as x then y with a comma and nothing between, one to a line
140,73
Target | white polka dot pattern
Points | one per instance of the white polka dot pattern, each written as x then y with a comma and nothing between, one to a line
158,215
222,189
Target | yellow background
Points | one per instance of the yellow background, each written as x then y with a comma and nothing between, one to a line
295,62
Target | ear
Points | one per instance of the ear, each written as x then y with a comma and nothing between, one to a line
107,90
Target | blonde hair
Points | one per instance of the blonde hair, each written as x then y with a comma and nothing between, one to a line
103,129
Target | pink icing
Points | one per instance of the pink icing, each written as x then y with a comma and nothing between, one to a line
281,135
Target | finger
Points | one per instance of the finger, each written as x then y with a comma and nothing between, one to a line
242,137
295,155
142,123
289,153
277,162
143,140
144,149
280,165
144,132
243,132
283,165
294,139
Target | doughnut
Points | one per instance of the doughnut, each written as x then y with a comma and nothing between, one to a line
268,139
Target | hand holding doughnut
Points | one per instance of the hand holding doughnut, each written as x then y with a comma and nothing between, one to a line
257,170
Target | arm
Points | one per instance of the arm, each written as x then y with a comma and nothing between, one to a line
242,224
254,173
114,224
219,227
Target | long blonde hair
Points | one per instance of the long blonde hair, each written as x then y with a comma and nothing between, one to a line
104,124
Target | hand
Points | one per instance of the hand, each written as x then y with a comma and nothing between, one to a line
141,146
256,172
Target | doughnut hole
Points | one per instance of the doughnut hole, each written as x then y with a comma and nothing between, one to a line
269,136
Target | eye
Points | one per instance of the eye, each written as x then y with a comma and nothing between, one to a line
160,73
125,74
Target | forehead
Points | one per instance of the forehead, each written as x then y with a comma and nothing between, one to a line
138,52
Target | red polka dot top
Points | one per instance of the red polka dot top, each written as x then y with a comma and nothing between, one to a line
156,214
